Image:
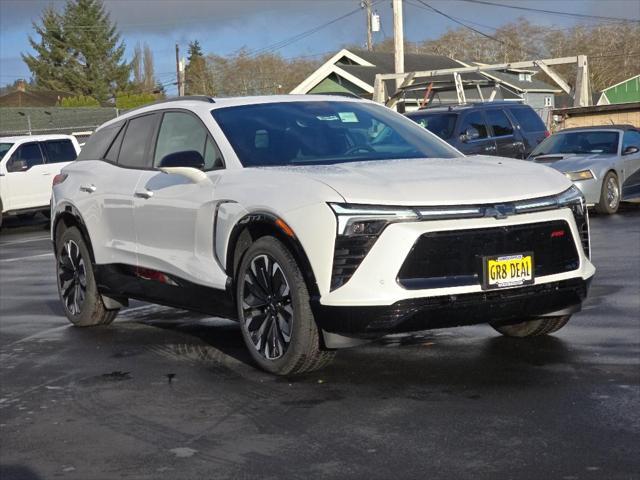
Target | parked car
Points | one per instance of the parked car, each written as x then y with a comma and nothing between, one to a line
317,222
603,162
505,129
27,167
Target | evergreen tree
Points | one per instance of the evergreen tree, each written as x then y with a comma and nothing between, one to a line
52,54
197,77
80,51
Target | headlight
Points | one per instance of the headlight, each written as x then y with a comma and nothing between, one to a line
368,219
574,199
359,226
581,175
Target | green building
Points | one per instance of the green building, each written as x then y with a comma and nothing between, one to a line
624,92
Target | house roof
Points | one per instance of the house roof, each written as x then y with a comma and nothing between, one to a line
361,67
32,98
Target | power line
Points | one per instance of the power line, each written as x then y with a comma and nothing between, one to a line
479,32
288,41
486,35
552,12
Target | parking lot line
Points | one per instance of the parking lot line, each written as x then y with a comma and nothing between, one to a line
38,239
30,257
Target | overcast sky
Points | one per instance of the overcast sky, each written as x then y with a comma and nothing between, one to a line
224,26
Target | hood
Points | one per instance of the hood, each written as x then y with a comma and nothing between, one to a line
438,181
573,162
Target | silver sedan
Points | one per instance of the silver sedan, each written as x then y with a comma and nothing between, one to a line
603,162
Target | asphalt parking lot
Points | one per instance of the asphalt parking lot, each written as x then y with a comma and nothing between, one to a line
164,394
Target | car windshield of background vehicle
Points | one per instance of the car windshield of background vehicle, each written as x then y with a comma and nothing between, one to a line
442,124
587,142
4,148
320,133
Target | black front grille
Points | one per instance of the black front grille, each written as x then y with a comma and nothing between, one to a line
445,259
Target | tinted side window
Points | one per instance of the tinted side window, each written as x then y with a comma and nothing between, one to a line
135,143
212,156
528,119
114,149
25,157
98,142
631,139
59,151
474,120
179,132
499,123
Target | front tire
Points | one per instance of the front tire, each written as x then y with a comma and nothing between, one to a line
77,287
275,315
609,195
533,328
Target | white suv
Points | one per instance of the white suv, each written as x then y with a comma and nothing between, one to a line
317,222
27,167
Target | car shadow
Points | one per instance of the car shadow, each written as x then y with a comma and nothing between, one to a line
431,358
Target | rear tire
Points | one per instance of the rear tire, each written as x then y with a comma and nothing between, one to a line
609,195
77,287
533,328
275,315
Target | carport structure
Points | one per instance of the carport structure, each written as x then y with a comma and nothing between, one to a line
436,79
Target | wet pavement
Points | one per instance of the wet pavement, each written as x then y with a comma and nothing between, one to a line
165,394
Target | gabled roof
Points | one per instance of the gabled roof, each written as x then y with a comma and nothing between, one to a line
32,98
361,67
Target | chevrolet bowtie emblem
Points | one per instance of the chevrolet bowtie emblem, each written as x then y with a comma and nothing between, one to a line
500,211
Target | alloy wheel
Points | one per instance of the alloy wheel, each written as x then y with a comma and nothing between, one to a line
613,193
72,277
266,307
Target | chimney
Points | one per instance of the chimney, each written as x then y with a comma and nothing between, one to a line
21,86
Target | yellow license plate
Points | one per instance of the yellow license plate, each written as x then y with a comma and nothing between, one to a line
508,270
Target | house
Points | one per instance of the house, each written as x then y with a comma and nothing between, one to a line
626,91
354,72
21,97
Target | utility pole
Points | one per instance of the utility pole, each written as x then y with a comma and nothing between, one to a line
398,39
178,75
367,5
398,43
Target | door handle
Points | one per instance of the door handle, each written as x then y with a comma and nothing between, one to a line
146,194
46,173
88,188
489,148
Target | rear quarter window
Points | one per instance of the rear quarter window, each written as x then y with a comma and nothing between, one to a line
528,119
98,143
58,151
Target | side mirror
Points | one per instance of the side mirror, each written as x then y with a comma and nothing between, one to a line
185,159
17,166
470,134
188,163
631,149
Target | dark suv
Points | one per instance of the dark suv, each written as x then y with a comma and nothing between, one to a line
505,129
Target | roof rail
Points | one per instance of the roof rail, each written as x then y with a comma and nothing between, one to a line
200,98
337,94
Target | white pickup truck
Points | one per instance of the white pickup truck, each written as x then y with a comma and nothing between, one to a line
27,167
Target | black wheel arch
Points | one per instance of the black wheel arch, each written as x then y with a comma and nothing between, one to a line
258,224
68,216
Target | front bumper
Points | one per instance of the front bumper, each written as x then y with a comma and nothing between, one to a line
511,305
591,189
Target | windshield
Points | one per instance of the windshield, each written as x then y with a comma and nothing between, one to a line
579,142
4,148
442,124
323,132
